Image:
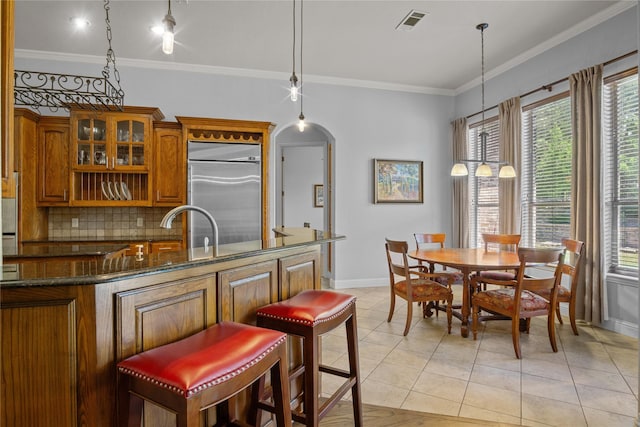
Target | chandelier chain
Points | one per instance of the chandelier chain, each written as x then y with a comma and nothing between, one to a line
111,56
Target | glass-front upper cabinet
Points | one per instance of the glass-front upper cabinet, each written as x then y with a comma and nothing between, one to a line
90,140
112,141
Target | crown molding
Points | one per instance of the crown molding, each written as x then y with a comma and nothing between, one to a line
228,71
579,28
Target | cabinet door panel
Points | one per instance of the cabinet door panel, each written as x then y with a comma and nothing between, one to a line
50,370
243,290
53,167
169,171
298,273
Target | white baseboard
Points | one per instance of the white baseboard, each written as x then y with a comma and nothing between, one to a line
359,283
621,327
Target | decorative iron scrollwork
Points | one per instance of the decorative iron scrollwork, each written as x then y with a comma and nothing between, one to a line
54,91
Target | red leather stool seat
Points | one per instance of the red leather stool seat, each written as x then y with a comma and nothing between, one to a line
204,369
308,315
309,307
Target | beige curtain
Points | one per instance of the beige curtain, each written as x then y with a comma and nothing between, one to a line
509,116
460,226
586,97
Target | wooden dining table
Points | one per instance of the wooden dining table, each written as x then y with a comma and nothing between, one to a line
467,260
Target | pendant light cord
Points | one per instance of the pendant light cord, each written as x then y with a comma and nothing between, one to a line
293,51
301,34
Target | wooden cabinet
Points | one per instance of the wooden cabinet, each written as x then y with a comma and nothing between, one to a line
32,218
299,272
169,165
111,157
53,161
243,290
6,98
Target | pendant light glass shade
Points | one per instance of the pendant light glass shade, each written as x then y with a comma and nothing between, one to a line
459,169
294,87
484,170
507,171
168,36
301,123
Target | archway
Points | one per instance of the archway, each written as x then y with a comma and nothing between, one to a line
303,160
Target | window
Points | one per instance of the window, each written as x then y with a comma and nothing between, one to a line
483,216
620,135
546,171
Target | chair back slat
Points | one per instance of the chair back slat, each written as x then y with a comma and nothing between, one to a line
501,240
430,238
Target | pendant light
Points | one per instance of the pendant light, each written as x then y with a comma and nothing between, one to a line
167,36
294,79
484,170
301,123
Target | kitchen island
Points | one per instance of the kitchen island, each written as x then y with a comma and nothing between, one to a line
64,329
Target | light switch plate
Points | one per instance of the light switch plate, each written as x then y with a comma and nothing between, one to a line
140,222
74,222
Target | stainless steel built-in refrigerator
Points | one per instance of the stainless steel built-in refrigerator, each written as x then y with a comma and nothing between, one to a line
225,180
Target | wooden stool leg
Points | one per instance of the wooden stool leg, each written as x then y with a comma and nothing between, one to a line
280,385
311,378
130,405
354,369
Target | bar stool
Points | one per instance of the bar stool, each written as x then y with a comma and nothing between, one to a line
203,370
310,314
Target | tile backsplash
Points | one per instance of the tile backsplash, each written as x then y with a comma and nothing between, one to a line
111,223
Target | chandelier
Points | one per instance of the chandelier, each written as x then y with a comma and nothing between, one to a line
484,170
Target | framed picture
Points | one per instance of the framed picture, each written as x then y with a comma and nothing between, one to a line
397,181
318,196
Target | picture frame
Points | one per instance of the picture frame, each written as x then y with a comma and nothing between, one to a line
318,196
397,181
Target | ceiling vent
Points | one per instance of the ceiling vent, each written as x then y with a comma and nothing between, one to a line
411,20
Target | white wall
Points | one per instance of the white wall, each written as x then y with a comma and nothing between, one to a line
365,123
303,168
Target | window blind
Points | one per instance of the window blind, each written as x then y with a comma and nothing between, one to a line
546,172
620,134
484,190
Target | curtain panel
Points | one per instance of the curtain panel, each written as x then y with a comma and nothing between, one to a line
460,226
586,105
510,119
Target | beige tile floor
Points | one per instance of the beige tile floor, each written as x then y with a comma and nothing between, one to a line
591,381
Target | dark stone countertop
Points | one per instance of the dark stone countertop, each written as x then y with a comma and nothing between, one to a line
53,250
93,272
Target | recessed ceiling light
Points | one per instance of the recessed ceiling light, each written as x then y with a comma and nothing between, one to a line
80,23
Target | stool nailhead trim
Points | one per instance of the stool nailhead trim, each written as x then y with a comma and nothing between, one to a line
190,392
307,323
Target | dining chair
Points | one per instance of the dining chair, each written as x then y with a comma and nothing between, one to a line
572,269
498,242
414,285
518,299
435,241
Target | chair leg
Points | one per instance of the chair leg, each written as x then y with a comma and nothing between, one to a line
515,334
354,370
558,314
449,313
572,315
474,321
311,362
409,317
551,326
280,384
392,306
